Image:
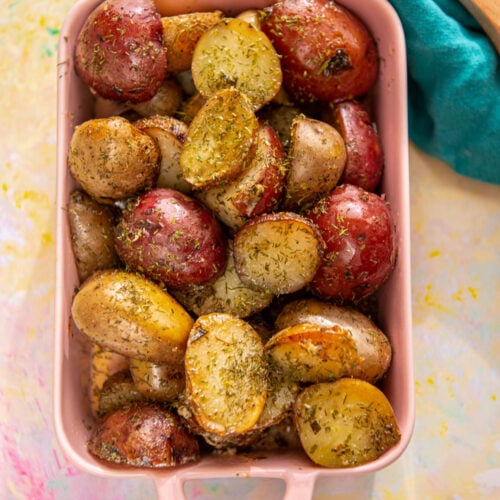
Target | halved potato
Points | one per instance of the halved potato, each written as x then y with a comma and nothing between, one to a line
103,364
309,353
345,423
374,348
251,16
190,107
278,252
281,117
256,190
281,394
157,381
220,140
165,102
236,54
118,390
226,376
181,34
227,294
132,316
316,160
170,134
143,435
280,436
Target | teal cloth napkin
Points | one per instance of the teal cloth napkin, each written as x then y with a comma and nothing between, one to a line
453,87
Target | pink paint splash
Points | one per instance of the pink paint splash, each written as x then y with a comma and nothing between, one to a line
28,478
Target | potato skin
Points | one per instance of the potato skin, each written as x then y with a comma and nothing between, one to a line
359,232
143,435
181,34
92,234
171,238
119,51
327,53
111,159
158,382
117,391
316,160
132,316
365,161
373,347
257,190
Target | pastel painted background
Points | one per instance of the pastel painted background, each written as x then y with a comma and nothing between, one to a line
455,451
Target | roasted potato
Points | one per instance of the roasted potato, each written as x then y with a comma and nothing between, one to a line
130,315
181,33
169,134
361,248
281,118
118,390
236,54
256,190
316,160
143,435
224,355
103,364
166,101
365,161
326,52
310,353
190,107
280,436
172,239
345,423
278,252
92,234
111,159
373,347
226,294
157,381
119,51
220,141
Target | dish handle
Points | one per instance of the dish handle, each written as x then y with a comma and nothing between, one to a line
297,487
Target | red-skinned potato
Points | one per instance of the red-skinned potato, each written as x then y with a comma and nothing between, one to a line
119,51
326,52
257,190
143,435
171,238
365,160
359,233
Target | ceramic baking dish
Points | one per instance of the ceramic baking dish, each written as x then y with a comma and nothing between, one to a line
72,411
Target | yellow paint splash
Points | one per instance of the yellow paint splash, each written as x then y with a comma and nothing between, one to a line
431,299
443,429
493,397
458,295
434,254
430,381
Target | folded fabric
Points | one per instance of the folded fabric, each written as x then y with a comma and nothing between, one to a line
453,87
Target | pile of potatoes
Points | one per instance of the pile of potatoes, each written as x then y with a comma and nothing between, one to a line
227,231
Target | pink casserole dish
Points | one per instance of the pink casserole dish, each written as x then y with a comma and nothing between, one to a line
73,417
